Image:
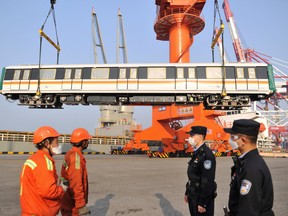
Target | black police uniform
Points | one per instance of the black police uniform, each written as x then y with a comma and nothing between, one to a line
251,188
201,188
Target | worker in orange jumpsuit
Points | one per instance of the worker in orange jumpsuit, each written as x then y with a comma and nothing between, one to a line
39,193
74,171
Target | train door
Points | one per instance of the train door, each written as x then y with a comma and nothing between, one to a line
77,81
241,82
15,82
191,79
252,82
67,81
180,81
230,78
24,83
122,82
133,81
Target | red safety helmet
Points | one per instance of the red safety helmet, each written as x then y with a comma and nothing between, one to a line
43,133
79,134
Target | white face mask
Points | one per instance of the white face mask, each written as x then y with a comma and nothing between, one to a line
192,142
57,150
233,144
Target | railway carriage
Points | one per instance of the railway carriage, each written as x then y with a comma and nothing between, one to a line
231,86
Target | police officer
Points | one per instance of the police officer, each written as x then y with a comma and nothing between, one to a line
201,187
251,188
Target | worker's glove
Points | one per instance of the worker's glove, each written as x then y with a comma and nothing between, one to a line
64,183
84,210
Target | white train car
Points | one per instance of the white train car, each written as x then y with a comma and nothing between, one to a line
50,86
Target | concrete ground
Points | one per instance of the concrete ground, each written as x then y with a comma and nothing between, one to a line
139,186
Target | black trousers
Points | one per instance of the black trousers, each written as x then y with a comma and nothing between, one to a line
193,208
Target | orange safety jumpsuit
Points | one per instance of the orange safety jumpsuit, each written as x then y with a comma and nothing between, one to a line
39,193
74,170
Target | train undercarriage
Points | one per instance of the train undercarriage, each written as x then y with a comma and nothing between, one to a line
210,101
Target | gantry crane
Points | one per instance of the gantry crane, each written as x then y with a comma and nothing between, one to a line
177,22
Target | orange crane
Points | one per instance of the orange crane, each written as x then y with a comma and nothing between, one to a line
177,22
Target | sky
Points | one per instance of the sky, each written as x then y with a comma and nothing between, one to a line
262,26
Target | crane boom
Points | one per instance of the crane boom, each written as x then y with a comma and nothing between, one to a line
234,33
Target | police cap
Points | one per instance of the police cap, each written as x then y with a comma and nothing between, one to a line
198,130
244,126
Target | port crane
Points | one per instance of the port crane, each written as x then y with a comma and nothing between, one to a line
272,111
178,22
174,23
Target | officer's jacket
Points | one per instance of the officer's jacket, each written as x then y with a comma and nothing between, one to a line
74,170
39,192
201,174
251,189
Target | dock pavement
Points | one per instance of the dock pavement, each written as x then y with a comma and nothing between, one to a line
135,185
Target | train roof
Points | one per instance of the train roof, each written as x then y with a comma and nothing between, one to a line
134,65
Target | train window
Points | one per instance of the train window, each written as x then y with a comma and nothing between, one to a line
191,73
133,73
230,72
142,72
201,72
261,72
26,74
46,74
78,73
240,73
9,74
170,73
100,73
114,73
180,73
156,73
16,75
214,72
68,73
251,73
122,73
60,73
